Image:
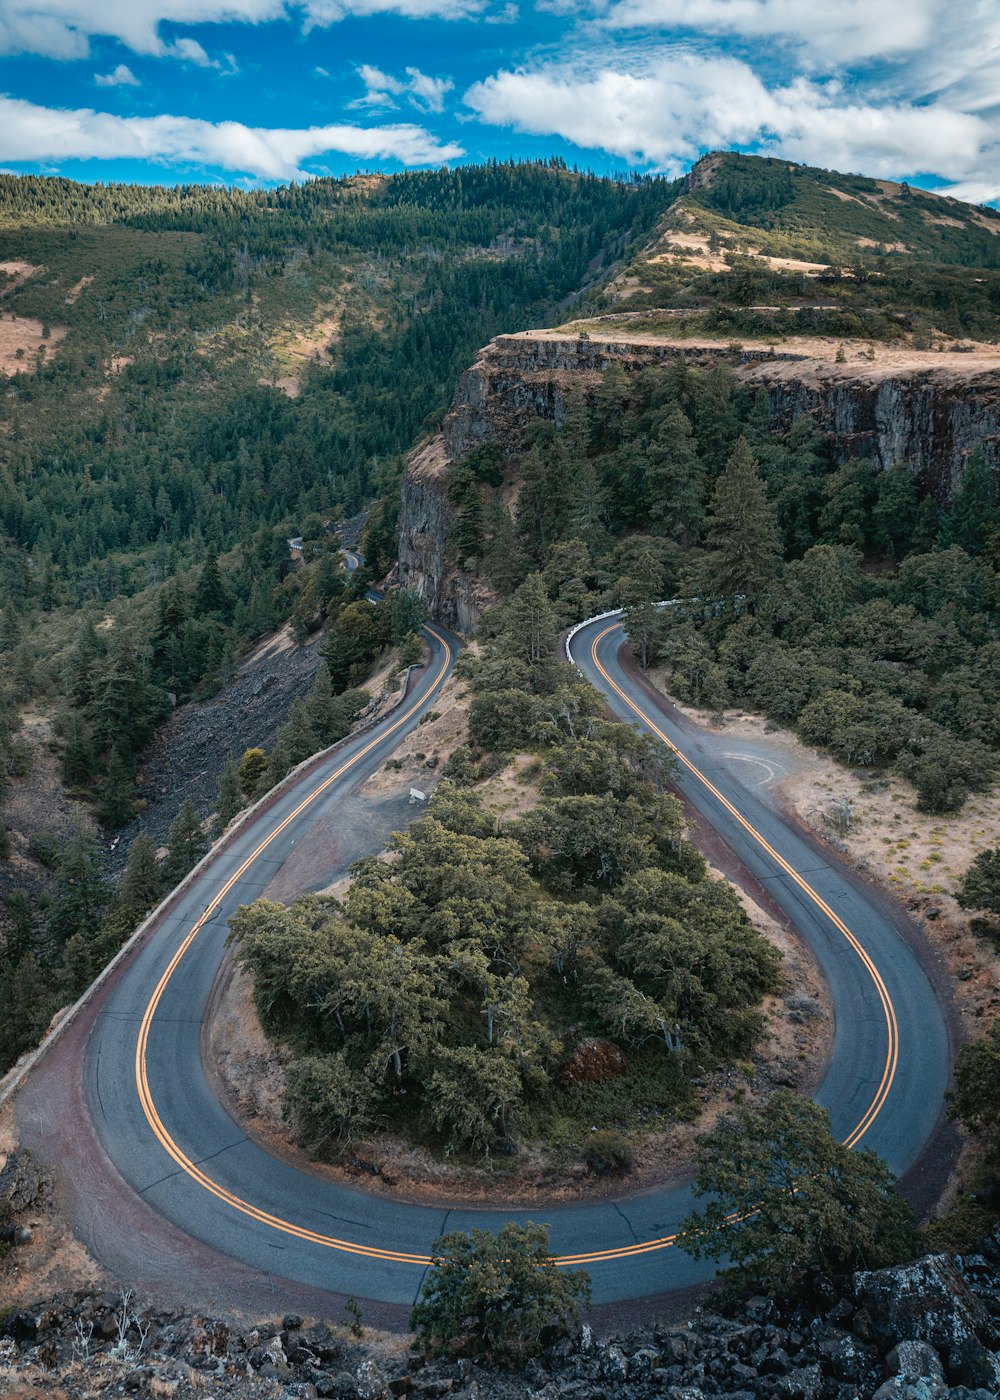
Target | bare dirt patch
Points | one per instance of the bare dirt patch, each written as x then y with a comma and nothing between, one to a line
844,197
242,1060
809,269
809,359
693,248
421,755
16,272
991,225
872,820
54,1260
21,338
296,347
514,791
889,247
73,295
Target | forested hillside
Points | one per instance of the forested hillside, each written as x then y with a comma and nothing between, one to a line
190,378
152,438
833,597
756,247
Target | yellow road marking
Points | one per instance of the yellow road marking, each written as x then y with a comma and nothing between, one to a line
396,1256
892,1049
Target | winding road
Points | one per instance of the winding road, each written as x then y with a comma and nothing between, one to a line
171,1141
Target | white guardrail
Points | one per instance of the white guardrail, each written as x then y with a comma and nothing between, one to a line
600,617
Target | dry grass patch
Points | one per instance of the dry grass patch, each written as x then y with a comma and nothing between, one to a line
871,818
21,339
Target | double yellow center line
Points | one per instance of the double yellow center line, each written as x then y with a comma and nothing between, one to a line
288,1227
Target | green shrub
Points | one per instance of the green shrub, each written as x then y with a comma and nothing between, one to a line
495,1295
608,1154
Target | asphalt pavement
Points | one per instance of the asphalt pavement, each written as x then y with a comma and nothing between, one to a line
174,1144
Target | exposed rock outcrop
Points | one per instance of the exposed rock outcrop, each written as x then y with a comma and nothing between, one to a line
927,410
819,1349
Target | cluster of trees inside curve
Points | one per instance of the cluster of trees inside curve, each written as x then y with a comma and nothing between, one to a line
446,992
836,598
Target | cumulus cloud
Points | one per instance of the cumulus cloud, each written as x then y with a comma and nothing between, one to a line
29,132
382,89
841,31
122,76
667,108
63,28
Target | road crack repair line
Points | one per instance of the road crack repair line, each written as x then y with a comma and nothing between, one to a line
628,1224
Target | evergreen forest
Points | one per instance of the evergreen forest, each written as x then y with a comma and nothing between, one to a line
840,600
164,441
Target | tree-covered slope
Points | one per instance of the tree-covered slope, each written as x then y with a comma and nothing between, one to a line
154,423
753,246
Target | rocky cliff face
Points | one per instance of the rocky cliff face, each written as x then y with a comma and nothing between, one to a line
427,561
927,410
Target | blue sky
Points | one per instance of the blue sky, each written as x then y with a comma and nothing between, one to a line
257,91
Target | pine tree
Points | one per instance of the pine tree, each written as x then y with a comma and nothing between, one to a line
142,883
531,622
297,734
609,407
31,1006
186,844
277,768
586,504
230,799
576,426
78,760
77,970
676,478
973,507
80,893
210,595
305,614
743,532
639,590
252,766
321,708
10,628
504,560
24,670
21,933
117,791
716,425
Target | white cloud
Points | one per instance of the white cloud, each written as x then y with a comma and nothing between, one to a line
841,31
63,28
668,107
381,89
121,77
189,51
33,133
426,92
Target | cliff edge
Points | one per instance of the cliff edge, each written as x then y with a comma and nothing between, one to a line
893,404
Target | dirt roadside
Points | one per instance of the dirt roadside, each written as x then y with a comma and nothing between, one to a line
811,790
